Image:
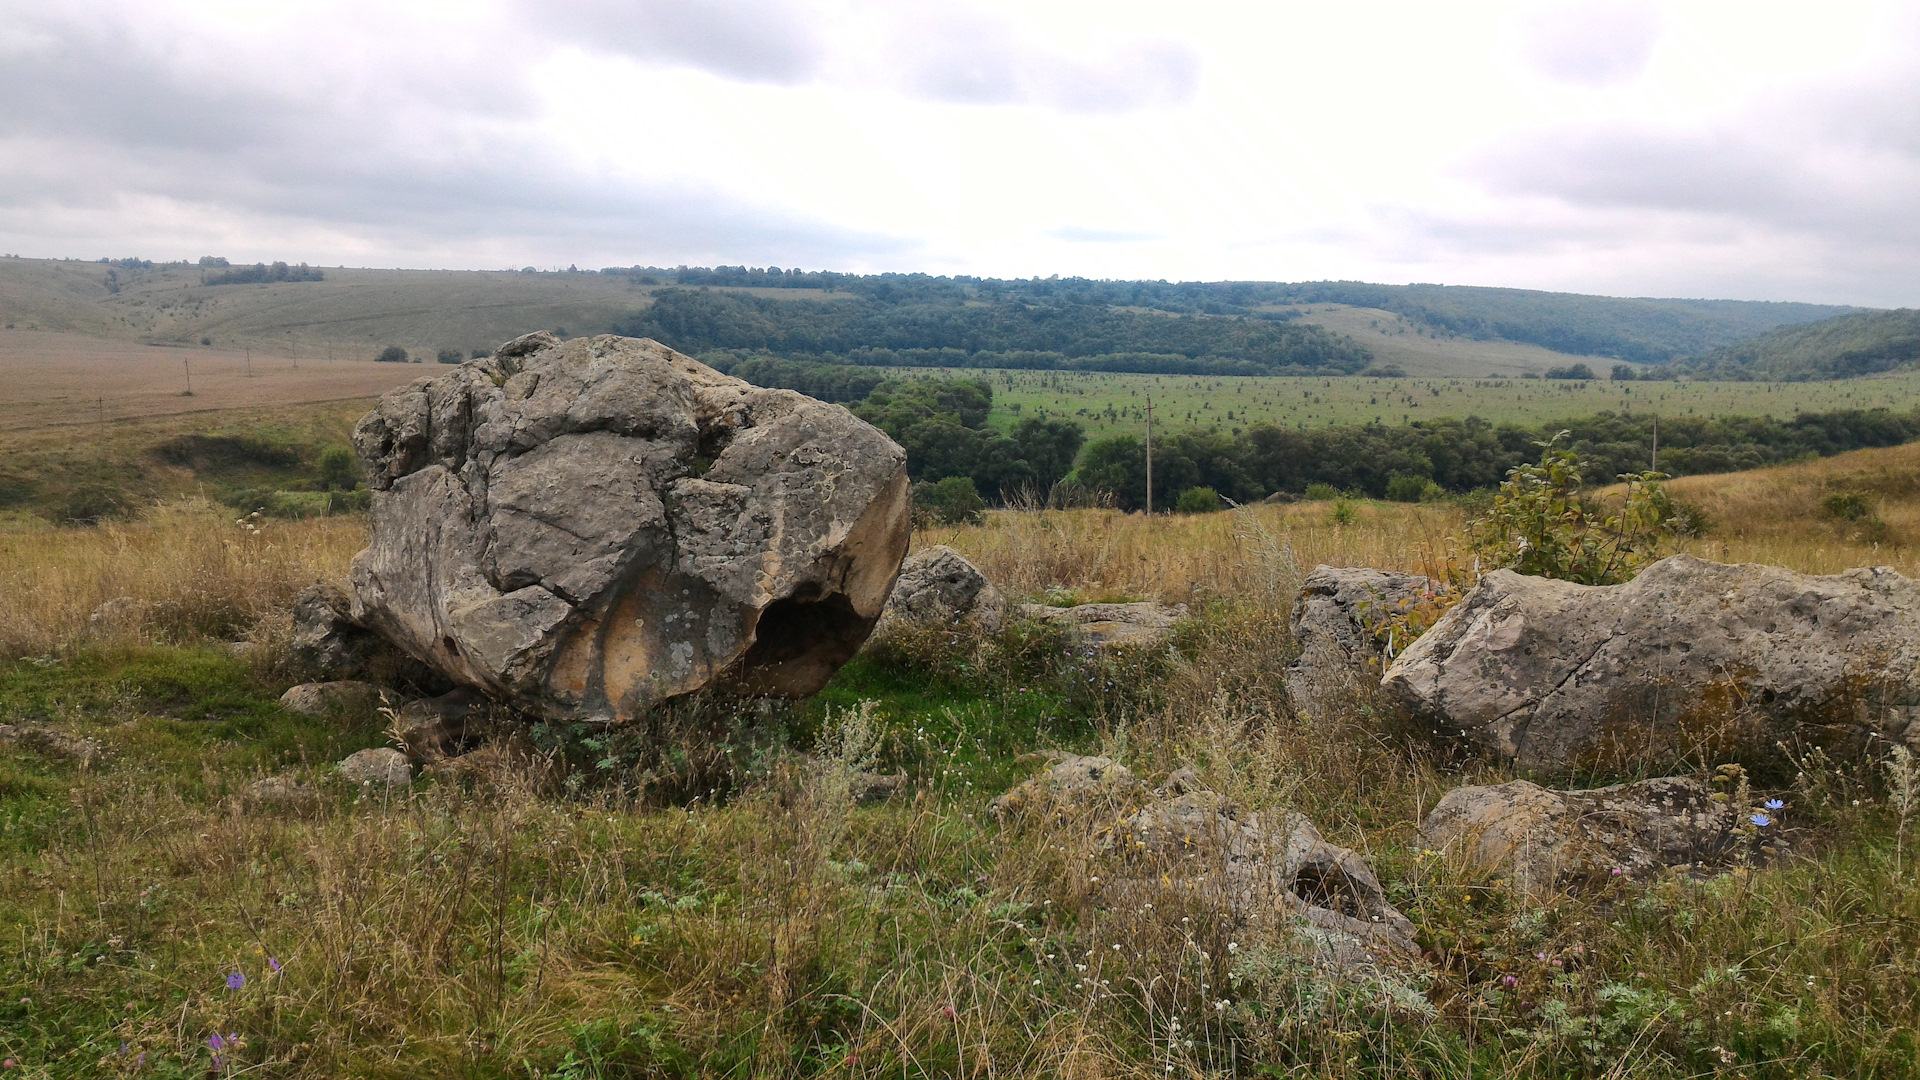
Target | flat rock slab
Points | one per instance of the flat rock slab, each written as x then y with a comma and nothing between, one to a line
586,528
1546,838
1142,625
1691,660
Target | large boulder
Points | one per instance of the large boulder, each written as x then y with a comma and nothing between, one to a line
326,641
1341,623
1690,659
1144,624
939,587
1546,838
586,528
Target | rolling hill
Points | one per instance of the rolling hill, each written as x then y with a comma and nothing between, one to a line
1864,343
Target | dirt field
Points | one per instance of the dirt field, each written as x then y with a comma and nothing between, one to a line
70,379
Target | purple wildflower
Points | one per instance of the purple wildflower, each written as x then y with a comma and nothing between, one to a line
236,980
1509,980
274,964
1761,820
1774,804
215,1043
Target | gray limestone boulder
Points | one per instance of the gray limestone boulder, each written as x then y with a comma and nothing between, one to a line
1072,781
1547,838
1689,660
585,528
326,641
1340,623
1144,624
939,587
380,767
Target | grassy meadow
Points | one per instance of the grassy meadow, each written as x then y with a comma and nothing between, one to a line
1112,404
648,906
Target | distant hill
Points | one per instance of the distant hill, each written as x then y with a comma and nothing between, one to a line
1644,331
1840,348
1210,328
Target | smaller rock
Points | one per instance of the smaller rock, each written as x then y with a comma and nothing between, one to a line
115,616
383,766
869,788
1072,780
939,587
433,728
326,699
326,641
1255,863
52,743
1548,838
242,650
1142,625
282,791
1339,622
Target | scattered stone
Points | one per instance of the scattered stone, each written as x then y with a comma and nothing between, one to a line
51,742
1546,838
115,616
325,699
326,640
1071,781
242,650
1690,658
1142,625
381,765
443,726
870,788
286,792
1263,864
586,528
1340,623
939,587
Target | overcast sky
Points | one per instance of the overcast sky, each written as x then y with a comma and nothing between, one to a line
1739,149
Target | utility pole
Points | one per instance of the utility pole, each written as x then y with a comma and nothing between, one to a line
249,363
189,366
1149,455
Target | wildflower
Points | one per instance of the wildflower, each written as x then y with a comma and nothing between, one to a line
1233,946
1761,820
1220,1006
1509,980
1774,804
215,1043
1617,871
236,980
273,964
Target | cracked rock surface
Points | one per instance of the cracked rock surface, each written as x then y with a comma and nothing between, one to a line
1339,620
1688,658
586,528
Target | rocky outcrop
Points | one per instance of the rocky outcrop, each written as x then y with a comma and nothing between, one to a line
1141,625
326,641
1184,844
1547,838
377,767
586,528
1689,659
1340,623
1274,863
939,587
324,699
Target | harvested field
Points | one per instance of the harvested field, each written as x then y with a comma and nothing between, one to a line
69,379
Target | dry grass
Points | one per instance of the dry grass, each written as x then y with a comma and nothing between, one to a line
186,572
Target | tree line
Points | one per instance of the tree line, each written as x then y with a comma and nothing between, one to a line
943,425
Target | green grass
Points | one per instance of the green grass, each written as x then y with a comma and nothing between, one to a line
1115,404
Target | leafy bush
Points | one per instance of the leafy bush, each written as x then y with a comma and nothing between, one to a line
449,356
1539,524
90,503
952,501
1571,371
1198,500
1404,488
1623,373
1321,492
338,470
392,354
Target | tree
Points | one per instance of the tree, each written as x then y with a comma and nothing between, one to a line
952,501
449,356
1572,371
1622,373
338,471
392,354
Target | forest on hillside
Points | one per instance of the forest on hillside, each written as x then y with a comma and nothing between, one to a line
1864,343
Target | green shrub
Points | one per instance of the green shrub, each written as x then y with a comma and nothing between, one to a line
1404,488
1849,505
1198,500
1344,512
449,356
1539,525
338,470
90,503
953,501
392,354
1322,492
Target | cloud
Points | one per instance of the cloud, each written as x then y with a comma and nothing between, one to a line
1075,234
750,40
973,56
1591,42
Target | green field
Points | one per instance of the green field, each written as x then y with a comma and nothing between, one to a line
1109,404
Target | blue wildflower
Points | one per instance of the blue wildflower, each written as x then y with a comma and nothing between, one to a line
236,980
1774,804
1761,820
